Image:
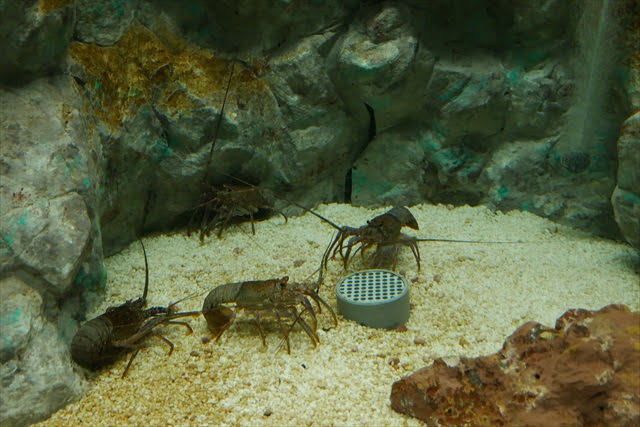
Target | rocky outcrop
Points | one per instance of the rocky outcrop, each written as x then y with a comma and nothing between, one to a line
50,245
626,196
585,371
49,186
35,36
36,374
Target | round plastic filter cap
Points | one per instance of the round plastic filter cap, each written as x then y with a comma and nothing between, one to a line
376,298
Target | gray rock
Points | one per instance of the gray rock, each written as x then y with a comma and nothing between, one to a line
251,27
393,169
35,36
51,238
19,305
103,22
321,132
626,196
373,62
36,373
48,185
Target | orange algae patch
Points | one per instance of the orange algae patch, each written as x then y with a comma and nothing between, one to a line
142,69
47,6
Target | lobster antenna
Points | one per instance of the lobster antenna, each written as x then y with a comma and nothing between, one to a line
146,272
215,134
427,239
337,227
192,295
254,240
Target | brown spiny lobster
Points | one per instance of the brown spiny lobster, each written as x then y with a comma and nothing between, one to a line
383,232
104,339
223,203
219,204
272,297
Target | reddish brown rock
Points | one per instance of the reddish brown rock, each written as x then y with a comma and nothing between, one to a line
585,371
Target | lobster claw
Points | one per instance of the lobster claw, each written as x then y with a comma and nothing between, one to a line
219,319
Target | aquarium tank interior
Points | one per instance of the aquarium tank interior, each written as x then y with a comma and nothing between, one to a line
303,212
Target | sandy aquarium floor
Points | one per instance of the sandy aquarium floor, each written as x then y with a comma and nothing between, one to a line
466,300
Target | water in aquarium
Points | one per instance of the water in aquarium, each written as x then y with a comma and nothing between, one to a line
341,213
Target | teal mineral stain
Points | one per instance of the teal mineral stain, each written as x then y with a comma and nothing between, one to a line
160,150
86,183
6,242
527,207
528,57
361,180
452,91
116,6
449,159
631,198
503,191
92,282
515,75
381,103
623,75
430,145
23,219
96,85
11,317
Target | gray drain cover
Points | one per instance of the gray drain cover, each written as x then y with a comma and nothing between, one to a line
376,298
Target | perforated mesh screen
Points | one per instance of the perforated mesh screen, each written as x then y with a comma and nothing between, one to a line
372,287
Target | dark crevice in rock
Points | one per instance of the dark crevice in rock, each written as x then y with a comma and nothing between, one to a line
348,182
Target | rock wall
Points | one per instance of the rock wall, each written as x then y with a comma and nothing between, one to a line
108,113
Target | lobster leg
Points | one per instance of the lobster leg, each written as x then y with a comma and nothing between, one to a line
305,326
317,299
260,328
225,223
285,333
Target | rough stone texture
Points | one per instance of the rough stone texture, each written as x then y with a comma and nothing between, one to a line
36,375
626,197
49,244
35,36
253,28
506,94
47,192
103,22
158,114
374,61
49,237
322,133
585,371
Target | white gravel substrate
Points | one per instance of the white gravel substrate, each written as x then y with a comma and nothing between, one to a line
466,300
